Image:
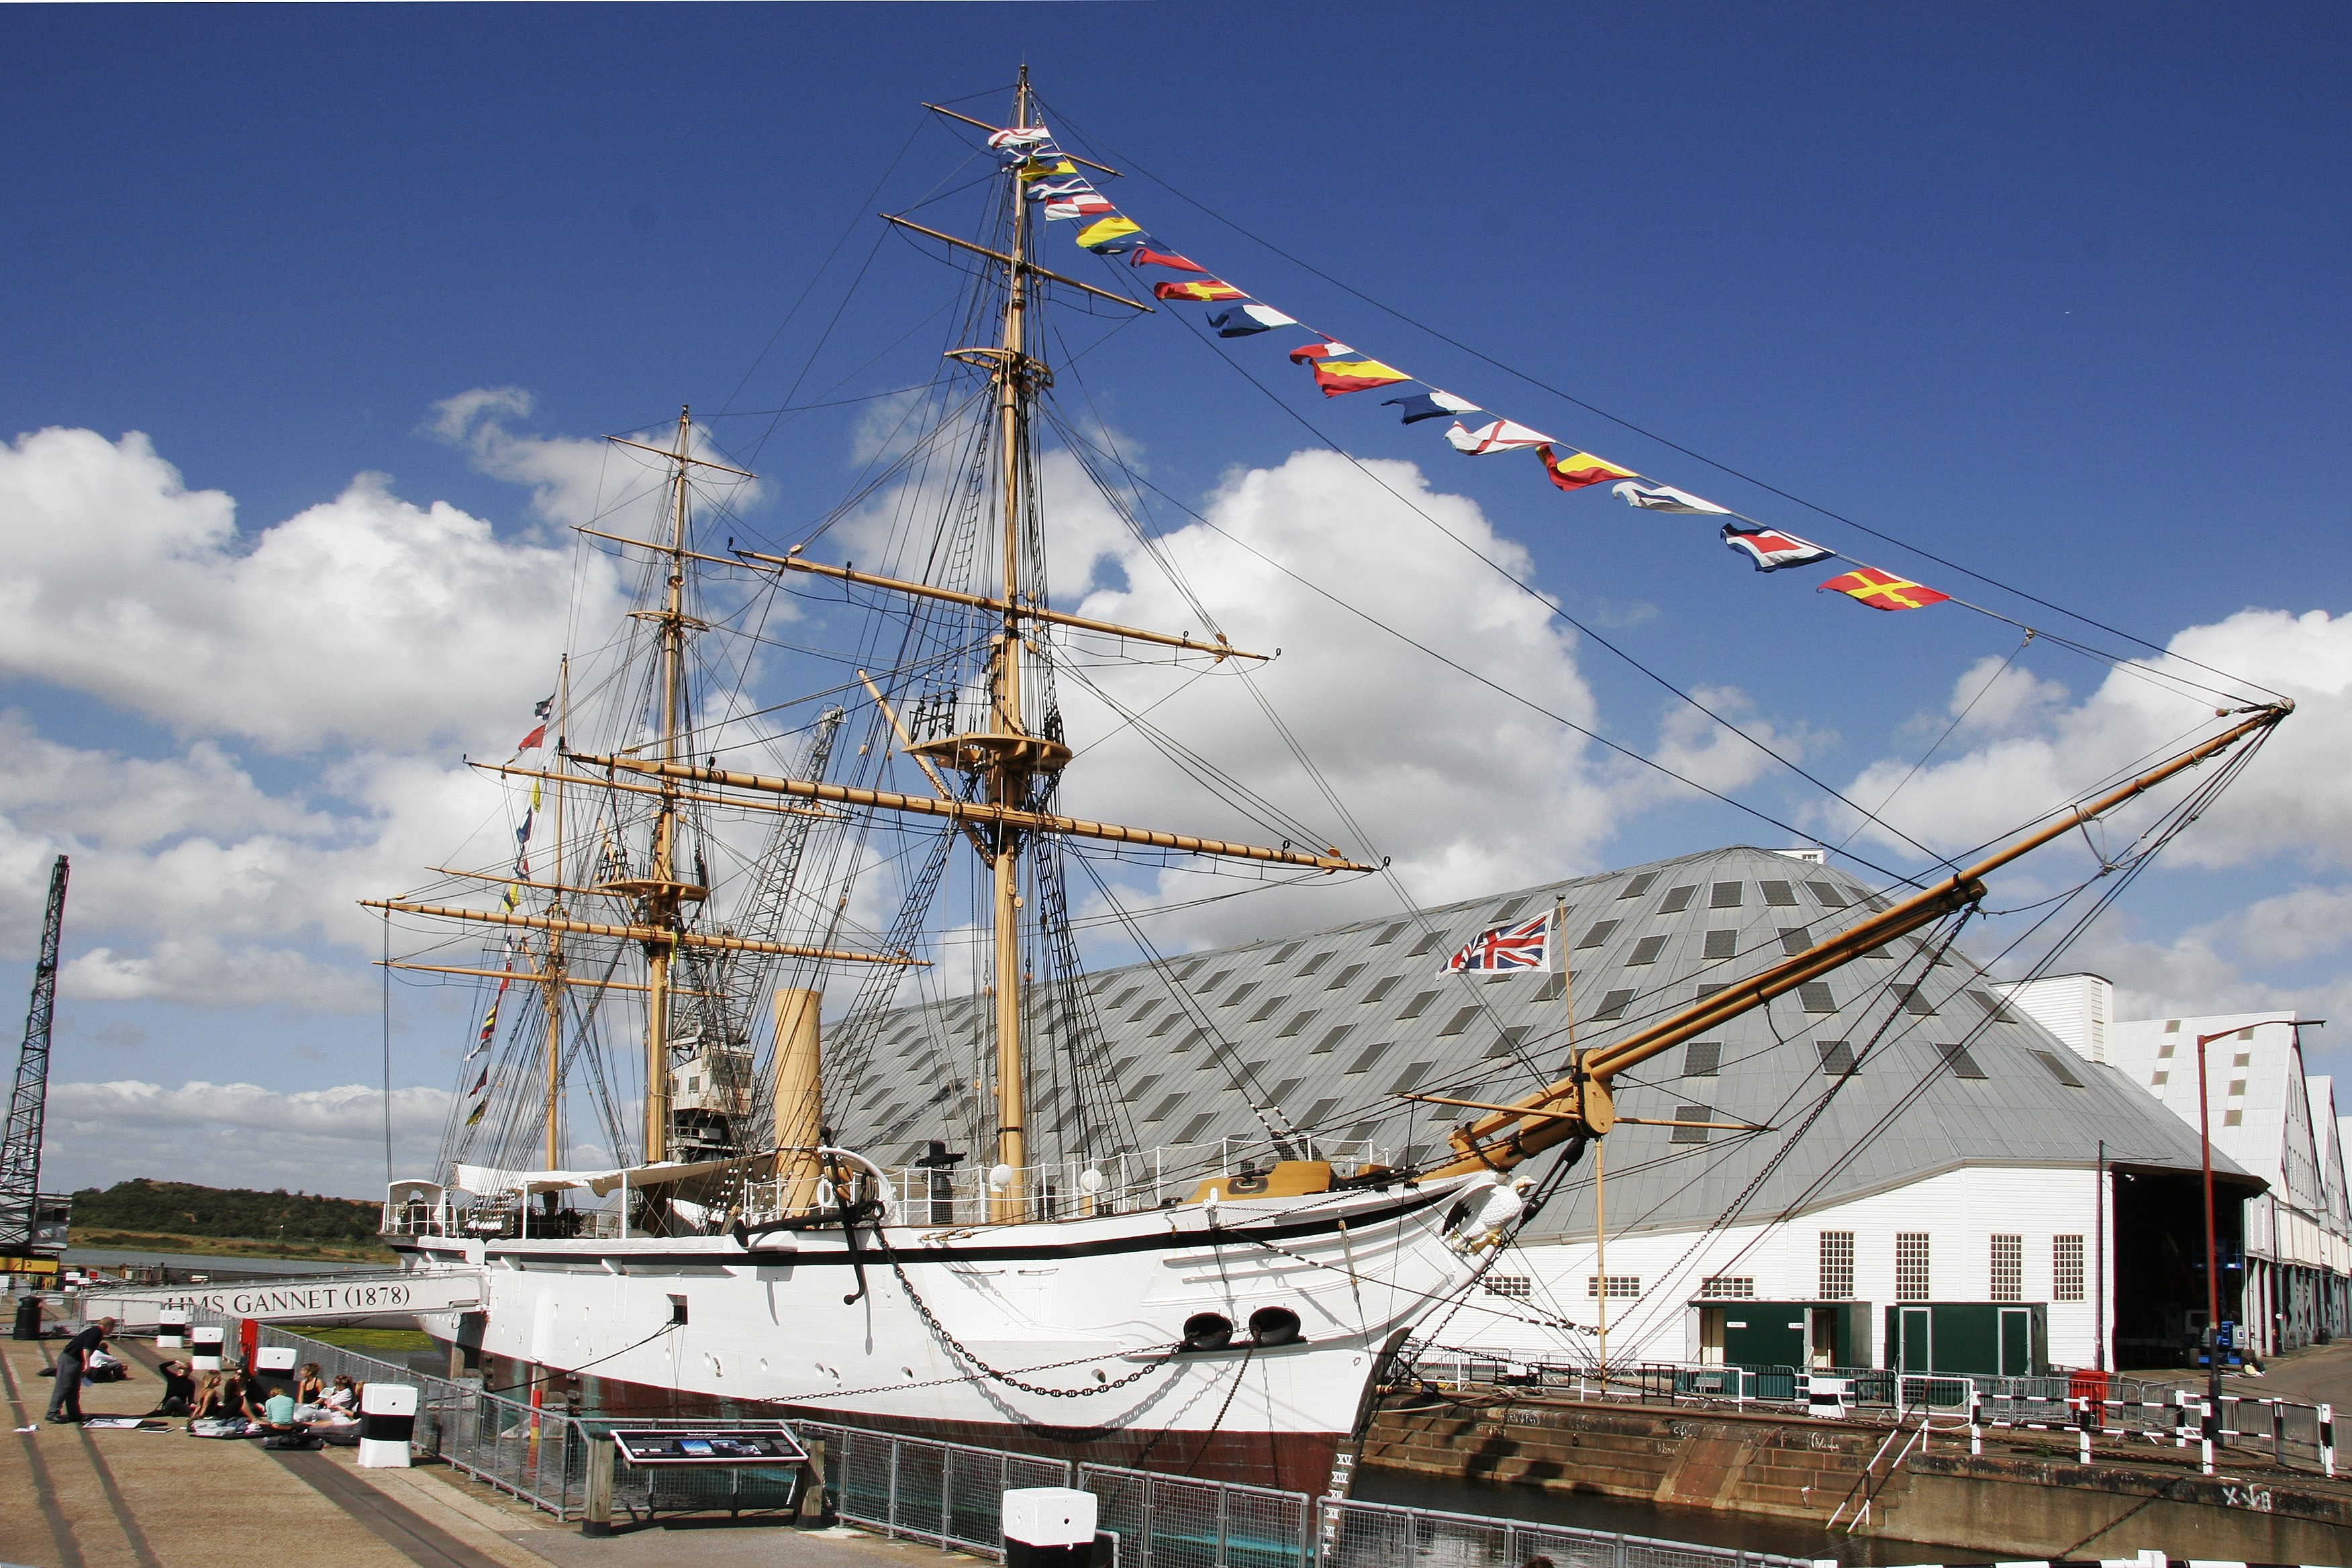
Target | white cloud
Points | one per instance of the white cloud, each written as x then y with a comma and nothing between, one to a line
2030,752
365,620
1466,789
237,1134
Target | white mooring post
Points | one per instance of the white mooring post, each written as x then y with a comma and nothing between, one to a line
205,1353
387,1421
1976,1421
171,1328
2206,1420
2327,1439
1049,1527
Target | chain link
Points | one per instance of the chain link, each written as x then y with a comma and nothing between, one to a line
1006,1378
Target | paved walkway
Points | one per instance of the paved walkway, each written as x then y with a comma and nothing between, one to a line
163,1499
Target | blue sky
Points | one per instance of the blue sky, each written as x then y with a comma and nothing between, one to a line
2054,292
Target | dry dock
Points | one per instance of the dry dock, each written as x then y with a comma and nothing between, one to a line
94,1498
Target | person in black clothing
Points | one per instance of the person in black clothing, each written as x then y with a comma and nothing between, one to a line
179,1389
65,1400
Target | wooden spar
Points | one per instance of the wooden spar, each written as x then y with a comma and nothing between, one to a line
1578,1105
1637,1121
984,125
661,937
1022,268
972,811
678,458
1221,648
648,789
537,977
690,891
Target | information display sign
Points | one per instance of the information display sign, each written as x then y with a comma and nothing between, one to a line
682,1448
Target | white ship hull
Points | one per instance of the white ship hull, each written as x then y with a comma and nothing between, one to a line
1094,1307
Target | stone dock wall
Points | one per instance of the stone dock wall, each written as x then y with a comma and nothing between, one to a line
2017,1504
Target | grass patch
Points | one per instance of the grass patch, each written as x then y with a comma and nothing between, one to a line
398,1341
233,1246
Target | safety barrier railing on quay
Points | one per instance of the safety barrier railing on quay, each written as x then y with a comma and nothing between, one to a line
950,1495
2291,1435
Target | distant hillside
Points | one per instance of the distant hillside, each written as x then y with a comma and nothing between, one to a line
178,1208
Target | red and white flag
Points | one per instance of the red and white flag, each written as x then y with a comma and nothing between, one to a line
1527,946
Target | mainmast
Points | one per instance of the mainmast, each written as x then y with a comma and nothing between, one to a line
553,988
1012,765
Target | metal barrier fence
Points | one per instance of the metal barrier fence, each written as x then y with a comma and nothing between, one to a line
1384,1535
538,1456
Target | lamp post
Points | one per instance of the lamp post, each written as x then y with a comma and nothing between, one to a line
2212,1256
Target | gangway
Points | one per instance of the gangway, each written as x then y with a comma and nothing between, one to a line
308,1299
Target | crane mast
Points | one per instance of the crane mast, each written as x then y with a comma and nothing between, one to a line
20,1154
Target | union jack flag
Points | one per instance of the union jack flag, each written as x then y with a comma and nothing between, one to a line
1527,946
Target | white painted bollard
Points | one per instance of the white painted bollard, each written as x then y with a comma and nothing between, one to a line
2206,1420
387,1421
1049,1527
171,1328
206,1350
2327,1439
1976,1421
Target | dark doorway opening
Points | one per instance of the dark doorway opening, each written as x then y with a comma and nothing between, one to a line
2159,1262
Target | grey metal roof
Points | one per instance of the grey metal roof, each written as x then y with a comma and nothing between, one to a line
1325,1030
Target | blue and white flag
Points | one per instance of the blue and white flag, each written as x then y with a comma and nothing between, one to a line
1431,404
1663,498
1242,321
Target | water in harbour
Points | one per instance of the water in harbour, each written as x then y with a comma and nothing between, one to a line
244,1266
1781,1537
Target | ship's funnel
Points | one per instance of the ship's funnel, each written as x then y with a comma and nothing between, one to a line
800,1097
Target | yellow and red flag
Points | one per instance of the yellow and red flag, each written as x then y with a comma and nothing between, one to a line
1578,469
1884,590
1335,376
1197,289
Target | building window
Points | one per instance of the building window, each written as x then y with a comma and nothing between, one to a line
1702,1059
1815,996
1911,1266
1621,1287
1837,1264
1598,934
1957,1057
1517,1286
1827,892
1779,893
1418,1005
1795,939
1460,1021
2160,1080
2008,1269
1724,896
2233,1119
2065,1268
1382,986
2164,1051
1837,1056
1345,978
1612,1006
1428,940
2058,1068
1646,950
1721,944
1678,899
1685,1117
1313,964
1728,1287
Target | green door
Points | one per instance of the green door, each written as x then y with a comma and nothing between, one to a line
1915,1339
1763,1333
2017,1341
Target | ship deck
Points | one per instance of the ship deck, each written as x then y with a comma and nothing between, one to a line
102,1498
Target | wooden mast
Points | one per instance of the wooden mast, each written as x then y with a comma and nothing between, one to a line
553,988
661,896
1008,772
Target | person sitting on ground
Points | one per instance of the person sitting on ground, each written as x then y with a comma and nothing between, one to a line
241,1392
179,1390
65,1399
343,1396
102,1367
278,1414
308,1385
209,1403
